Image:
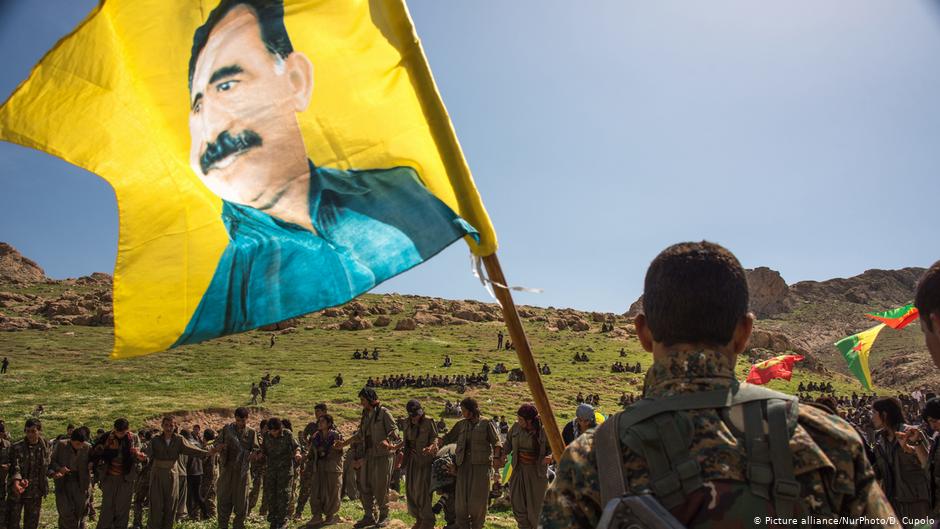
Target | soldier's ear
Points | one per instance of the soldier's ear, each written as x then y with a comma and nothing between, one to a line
643,332
742,333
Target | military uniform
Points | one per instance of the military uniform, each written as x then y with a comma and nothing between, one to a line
350,472
905,482
117,468
529,477
376,426
257,480
475,439
142,492
279,463
207,487
71,490
306,470
325,459
444,483
234,463
29,461
6,458
165,478
829,463
418,470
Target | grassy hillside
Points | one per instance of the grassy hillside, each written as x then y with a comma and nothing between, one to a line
66,369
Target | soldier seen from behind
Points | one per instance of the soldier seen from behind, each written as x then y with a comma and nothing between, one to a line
708,449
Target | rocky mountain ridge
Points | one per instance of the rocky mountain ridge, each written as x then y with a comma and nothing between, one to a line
805,318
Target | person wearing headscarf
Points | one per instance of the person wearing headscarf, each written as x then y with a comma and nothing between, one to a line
420,434
584,419
377,431
478,446
527,447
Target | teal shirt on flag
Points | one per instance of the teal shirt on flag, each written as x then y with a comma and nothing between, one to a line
370,226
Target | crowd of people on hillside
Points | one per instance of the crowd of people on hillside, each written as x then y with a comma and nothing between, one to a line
160,476
471,380
619,367
365,354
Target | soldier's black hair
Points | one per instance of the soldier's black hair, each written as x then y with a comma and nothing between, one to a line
241,412
78,435
927,295
932,409
33,422
695,293
891,411
209,434
320,406
263,423
328,418
270,14
369,394
470,404
121,424
274,423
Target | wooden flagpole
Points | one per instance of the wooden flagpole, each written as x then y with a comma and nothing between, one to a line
521,343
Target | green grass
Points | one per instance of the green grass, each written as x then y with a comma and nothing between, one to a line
68,371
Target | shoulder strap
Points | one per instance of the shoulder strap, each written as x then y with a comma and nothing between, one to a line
786,488
609,459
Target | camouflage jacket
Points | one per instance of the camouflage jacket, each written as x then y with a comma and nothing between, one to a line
29,462
830,465
279,452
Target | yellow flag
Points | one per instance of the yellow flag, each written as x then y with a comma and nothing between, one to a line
270,158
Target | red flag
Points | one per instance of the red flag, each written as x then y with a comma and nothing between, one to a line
776,367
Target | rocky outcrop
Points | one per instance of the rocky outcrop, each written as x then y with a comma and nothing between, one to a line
872,287
16,269
768,291
406,324
382,321
355,324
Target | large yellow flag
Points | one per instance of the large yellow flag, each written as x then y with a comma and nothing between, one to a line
270,157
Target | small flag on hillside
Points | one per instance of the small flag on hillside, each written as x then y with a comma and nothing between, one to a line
855,349
896,318
776,367
269,158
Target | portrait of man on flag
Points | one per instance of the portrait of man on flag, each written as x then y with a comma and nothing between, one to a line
301,236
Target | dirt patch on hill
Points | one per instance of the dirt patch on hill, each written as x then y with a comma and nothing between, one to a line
217,418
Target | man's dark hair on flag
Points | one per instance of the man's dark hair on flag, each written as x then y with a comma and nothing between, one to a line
270,14
927,295
695,292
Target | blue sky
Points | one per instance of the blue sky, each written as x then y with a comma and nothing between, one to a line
802,135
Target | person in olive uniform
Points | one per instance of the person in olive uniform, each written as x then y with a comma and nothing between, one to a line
377,431
257,476
166,450
6,455
307,471
900,454
478,446
325,458
527,445
28,483
210,473
68,468
117,456
237,445
420,436
142,483
280,452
